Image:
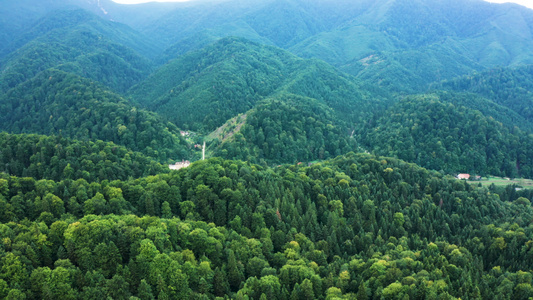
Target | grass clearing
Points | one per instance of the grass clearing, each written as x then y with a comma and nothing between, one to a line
227,130
500,181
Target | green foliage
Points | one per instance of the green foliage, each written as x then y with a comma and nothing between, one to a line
281,238
509,87
59,103
445,135
406,45
81,218
203,89
58,158
79,42
289,129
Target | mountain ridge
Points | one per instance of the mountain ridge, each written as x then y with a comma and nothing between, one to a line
84,46
235,65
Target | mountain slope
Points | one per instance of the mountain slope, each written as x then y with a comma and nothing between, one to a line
79,42
438,134
509,87
208,87
55,102
439,41
203,89
288,129
19,17
419,41
261,18
72,18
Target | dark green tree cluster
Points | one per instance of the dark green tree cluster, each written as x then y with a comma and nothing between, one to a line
452,138
56,158
352,101
289,128
357,226
59,103
490,109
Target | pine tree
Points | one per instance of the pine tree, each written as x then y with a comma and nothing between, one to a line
235,276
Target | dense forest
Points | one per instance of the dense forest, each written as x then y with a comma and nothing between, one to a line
80,43
334,131
60,103
289,129
203,89
56,158
356,226
510,88
453,138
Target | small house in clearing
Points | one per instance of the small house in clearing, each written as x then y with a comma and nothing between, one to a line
179,165
463,176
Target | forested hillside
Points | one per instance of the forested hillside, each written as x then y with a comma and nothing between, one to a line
508,87
380,41
56,158
81,43
19,19
440,135
489,108
402,45
203,89
288,128
59,103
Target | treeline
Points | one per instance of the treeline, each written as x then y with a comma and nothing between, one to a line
59,103
288,129
441,135
357,226
56,158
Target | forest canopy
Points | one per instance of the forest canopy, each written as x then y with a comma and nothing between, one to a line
333,133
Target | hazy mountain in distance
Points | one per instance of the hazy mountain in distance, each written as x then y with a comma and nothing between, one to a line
75,17
402,45
80,42
20,17
408,44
